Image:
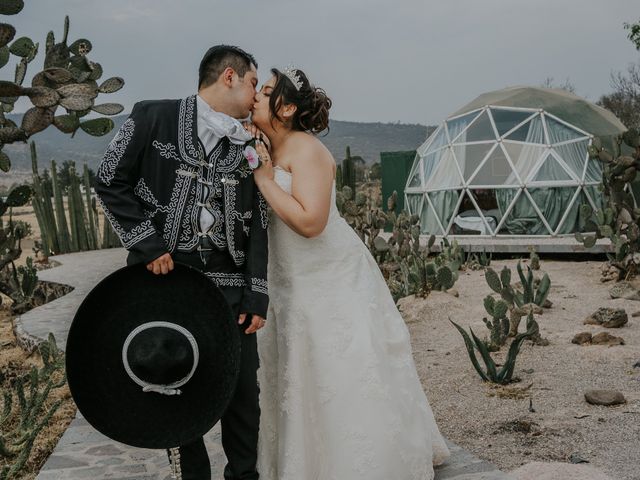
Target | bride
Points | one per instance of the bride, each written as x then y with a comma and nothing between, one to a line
339,392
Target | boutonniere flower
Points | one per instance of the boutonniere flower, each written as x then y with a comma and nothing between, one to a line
253,159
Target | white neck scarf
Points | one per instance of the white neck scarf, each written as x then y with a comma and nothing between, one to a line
221,124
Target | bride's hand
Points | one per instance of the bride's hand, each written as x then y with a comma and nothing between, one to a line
265,170
256,133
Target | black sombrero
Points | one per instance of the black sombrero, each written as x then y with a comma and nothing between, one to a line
152,360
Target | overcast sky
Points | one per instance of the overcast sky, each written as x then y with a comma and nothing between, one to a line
411,61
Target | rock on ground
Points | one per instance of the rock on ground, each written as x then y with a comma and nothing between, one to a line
608,317
604,397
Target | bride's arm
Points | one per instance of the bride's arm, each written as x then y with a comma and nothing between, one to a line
306,210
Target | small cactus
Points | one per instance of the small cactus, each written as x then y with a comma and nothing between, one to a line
531,292
445,277
32,391
499,325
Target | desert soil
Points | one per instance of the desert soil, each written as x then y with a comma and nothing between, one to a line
495,423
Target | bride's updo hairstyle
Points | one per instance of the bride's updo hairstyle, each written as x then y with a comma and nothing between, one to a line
312,112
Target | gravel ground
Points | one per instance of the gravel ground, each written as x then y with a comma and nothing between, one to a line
501,429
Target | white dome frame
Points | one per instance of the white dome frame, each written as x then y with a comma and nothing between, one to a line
449,141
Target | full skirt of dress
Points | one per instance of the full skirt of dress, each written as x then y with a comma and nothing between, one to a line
340,396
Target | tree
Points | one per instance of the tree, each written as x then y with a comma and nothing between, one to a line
549,82
624,101
634,33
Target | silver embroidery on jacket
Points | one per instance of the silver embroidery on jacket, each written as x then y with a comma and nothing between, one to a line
226,279
115,151
259,285
133,236
166,150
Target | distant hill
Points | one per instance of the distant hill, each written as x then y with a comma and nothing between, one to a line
365,139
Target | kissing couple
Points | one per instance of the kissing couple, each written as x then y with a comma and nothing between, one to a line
327,388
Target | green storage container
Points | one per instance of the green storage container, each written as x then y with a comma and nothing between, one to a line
395,167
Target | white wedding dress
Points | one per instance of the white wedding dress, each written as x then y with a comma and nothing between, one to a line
339,392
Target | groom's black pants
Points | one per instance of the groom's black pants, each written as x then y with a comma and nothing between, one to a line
241,419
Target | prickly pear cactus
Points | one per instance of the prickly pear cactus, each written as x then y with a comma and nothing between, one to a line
68,82
619,218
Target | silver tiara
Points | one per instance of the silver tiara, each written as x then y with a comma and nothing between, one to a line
291,74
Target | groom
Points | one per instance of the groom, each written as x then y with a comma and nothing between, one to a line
175,185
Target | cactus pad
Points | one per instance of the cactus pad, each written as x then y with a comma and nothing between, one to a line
21,71
108,108
58,75
36,119
22,47
98,126
493,280
4,56
7,32
42,96
76,102
5,162
9,89
380,244
500,309
489,304
111,85
11,7
96,71
19,196
505,276
81,47
445,277
78,90
66,123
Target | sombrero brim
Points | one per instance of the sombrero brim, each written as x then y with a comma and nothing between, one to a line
107,397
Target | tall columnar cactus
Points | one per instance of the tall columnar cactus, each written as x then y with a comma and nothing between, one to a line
30,413
491,373
82,232
64,237
619,218
349,171
92,213
43,208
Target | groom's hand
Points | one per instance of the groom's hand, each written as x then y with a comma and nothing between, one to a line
161,265
257,322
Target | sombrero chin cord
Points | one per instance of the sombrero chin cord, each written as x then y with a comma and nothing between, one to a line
176,470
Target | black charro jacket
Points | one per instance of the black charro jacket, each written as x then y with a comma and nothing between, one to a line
150,185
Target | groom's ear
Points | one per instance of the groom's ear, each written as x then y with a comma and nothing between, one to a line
227,76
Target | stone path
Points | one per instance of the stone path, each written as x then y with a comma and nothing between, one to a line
84,453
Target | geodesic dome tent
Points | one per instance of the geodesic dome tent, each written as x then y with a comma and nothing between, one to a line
511,162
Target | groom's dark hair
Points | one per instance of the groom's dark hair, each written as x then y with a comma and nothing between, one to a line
218,58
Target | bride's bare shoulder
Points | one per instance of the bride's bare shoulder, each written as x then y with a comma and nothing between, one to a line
311,150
